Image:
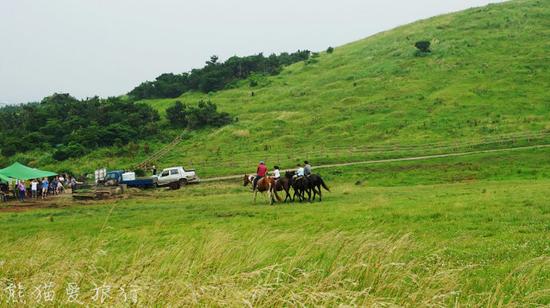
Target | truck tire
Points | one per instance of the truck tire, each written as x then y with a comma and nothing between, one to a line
183,182
175,185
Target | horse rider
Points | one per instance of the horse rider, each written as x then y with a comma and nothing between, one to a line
261,171
307,168
299,171
276,173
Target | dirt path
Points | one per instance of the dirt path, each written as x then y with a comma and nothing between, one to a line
391,160
33,204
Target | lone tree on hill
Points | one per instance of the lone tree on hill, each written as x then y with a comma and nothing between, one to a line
423,46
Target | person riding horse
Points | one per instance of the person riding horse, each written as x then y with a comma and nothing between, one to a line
261,171
276,173
307,168
300,171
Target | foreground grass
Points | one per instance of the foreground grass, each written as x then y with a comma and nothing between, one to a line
436,242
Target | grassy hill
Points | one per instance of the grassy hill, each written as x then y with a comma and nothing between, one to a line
487,76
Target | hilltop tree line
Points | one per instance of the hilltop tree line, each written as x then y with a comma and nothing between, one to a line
216,75
67,127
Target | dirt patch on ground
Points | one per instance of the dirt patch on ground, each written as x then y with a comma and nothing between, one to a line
51,202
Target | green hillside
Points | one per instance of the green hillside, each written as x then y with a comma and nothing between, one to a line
488,75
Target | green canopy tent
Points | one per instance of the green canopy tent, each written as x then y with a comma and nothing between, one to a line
5,179
22,172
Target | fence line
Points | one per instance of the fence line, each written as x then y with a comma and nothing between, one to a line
391,160
335,152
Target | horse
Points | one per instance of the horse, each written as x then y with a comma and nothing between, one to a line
315,182
299,185
307,184
264,185
283,184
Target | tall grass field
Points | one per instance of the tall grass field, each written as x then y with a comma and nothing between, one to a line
445,232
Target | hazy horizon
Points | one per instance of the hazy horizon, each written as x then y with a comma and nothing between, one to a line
106,48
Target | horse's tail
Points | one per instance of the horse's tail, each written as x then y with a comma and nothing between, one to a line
324,185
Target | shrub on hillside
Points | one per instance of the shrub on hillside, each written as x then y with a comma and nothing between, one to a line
177,115
140,172
423,48
203,115
69,151
206,114
330,50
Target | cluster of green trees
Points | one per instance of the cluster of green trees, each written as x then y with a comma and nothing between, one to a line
204,114
70,127
216,75
67,127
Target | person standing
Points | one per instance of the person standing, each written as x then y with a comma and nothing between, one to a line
261,171
45,185
22,190
34,189
12,189
73,185
154,170
60,188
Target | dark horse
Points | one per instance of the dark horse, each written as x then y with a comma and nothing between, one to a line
283,184
315,182
306,185
299,185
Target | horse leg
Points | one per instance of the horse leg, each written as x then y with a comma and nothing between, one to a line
270,190
255,195
287,191
320,193
317,191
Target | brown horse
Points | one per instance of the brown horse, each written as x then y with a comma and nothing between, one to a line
264,185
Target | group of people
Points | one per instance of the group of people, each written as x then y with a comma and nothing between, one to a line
37,188
262,171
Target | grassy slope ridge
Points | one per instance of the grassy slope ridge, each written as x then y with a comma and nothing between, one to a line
488,75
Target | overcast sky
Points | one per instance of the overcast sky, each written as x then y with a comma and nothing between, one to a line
106,47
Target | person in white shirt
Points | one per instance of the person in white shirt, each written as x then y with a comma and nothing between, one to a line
300,171
60,188
276,173
34,188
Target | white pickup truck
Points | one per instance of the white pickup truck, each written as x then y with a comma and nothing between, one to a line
175,177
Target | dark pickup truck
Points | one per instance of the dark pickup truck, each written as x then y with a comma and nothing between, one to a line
116,176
